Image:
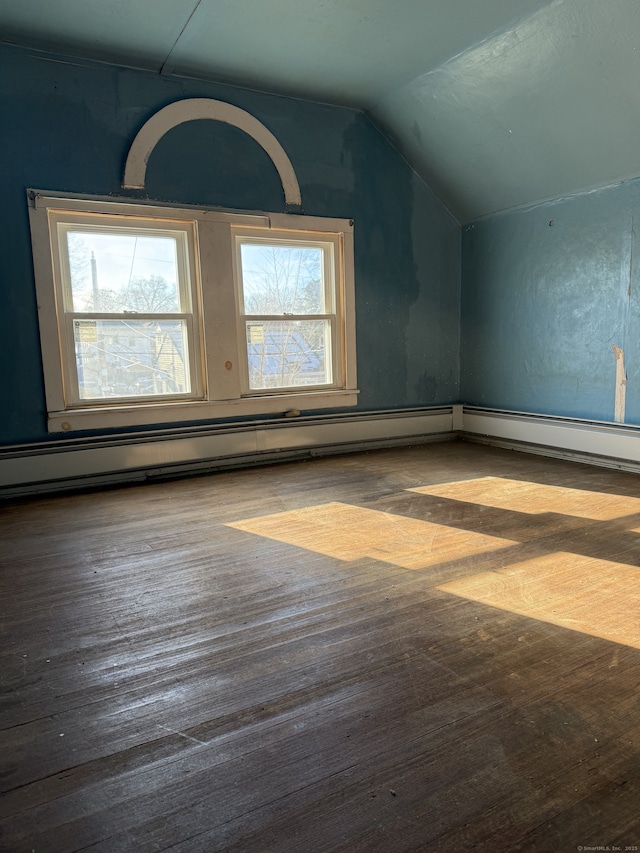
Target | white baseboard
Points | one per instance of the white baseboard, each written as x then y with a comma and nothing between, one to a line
58,465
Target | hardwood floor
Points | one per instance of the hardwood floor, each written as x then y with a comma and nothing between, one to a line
423,649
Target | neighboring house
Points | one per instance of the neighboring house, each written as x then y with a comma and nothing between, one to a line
280,356
141,358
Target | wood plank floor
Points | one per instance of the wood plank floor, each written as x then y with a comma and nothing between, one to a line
420,649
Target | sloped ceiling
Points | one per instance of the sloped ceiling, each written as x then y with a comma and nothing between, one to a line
496,103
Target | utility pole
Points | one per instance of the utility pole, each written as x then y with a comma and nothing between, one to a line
94,284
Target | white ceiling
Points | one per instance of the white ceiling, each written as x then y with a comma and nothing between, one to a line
496,103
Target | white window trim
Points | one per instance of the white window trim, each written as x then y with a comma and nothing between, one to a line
222,348
193,109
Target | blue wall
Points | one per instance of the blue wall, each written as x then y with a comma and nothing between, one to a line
68,127
546,293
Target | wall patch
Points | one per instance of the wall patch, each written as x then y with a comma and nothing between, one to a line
621,385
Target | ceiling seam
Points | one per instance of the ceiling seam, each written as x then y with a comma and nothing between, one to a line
180,34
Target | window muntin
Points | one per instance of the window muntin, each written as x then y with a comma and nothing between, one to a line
125,309
209,333
287,300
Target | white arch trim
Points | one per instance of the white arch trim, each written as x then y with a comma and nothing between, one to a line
205,108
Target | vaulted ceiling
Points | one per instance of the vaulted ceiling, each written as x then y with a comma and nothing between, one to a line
496,103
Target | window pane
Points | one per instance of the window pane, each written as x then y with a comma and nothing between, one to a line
288,353
282,279
131,358
114,272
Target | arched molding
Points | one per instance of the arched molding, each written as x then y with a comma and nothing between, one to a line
193,109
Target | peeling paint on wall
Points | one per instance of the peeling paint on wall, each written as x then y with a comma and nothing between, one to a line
621,385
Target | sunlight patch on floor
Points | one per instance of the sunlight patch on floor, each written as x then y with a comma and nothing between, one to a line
596,597
351,533
534,498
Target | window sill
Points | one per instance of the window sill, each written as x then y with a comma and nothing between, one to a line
114,417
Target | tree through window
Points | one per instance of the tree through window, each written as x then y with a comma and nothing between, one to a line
288,303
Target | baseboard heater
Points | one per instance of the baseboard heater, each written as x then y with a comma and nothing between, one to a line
596,442
66,464
77,463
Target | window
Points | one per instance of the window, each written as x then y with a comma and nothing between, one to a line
126,308
153,314
287,308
